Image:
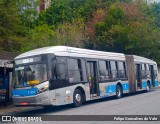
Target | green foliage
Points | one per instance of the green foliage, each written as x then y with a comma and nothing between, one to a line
28,11
40,36
11,29
127,26
115,16
71,34
66,11
112,31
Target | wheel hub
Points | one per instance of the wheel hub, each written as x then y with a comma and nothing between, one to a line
78,97
147,88
118,92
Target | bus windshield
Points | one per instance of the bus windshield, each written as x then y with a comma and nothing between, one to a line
30,75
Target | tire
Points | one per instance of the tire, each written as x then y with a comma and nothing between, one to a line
118,92
77,98
148,87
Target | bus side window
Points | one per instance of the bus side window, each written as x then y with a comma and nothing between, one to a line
121,70
155,71
75,70
103,70
114,72
84,73
59,69
147,71
143,71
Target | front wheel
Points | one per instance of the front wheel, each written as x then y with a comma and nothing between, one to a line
118,92
77,98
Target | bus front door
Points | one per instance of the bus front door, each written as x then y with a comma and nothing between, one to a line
152,75
92,78
138,76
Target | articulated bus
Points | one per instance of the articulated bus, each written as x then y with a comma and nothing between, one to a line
60,75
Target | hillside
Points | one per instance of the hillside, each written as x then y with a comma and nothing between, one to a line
126,26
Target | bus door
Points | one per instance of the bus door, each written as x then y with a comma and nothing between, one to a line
92,78
138,76
152,75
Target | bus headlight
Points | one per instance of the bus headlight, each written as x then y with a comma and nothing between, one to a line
42,89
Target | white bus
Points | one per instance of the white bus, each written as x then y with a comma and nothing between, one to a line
60,75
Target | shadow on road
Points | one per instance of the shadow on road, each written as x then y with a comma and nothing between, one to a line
52,109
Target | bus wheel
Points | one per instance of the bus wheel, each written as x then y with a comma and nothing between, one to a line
77,98
148,87
118,92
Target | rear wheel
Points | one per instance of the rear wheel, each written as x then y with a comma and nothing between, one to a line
77,98
118,92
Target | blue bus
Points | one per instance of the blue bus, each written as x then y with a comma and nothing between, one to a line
4,89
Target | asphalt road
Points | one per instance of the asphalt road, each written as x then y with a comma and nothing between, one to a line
141,103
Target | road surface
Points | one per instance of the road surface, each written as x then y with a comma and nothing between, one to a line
141,103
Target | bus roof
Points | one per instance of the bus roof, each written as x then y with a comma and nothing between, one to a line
79,52
142,59
74,52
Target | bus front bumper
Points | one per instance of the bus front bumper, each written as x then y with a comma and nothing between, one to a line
36,100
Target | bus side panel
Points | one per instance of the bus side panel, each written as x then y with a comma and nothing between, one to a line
144,83
64,95
52,97
109,88
156,83
156,79
87,92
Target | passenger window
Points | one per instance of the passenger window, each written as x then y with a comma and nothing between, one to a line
75,70
114,72
103,70
59,69
147,71
155,71
147,67
143,71
143,68
122,70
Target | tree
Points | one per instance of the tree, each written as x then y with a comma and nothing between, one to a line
40,36
62,11
28,10
70,34
11,29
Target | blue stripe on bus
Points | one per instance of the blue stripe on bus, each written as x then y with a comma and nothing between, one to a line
125,86
112,88
144,84
25,92
156,83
